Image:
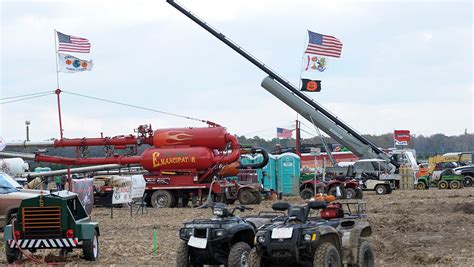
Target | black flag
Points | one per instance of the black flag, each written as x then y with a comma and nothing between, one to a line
310,85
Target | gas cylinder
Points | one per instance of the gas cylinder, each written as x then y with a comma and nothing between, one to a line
178,158
211,137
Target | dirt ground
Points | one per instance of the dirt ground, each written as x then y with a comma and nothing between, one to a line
432,227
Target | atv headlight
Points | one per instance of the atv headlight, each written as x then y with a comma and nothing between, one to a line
186,232
219,233
218,212
458,172
261,239
307,237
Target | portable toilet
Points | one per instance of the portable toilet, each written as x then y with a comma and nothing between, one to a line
268,173
288,173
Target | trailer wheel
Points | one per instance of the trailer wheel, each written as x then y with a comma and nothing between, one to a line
246,197
333,191
327,255
381,189
365,254
258,197
443,184
90,248
307,193
182,255
239,255
351,193
359,193
467,181
13,254
163,199
455,184
420,186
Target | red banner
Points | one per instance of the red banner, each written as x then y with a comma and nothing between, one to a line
401,137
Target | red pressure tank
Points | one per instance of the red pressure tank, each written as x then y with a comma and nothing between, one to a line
211,137
155,159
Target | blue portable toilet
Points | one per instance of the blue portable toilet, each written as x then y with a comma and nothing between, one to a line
288,173
268,173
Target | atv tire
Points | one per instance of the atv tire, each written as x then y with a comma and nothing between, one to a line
333,191
351,193
327,255
365,254
255,258
163,199
307,193
13,254
239,255
359,193
467,181
182,255
90,248
246,197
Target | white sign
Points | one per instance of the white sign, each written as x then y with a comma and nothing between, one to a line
138,186
315,151
279,233
125,194
197,242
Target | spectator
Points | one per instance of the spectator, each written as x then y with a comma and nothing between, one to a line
59,184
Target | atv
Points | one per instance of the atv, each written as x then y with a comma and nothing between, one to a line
347,188
332,239
224,239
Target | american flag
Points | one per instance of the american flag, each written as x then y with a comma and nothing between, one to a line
69,43
323,45
284,133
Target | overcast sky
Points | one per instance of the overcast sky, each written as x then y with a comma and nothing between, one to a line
404,65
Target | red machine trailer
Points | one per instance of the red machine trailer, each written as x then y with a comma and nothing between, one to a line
182,163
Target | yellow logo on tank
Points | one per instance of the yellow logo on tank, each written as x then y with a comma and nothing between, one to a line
157,162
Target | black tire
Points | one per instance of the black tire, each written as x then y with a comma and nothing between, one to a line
455,184
90,248
239,255
360,193
327,255
351,193
365,254
13,254
381,189
258,197
420,186
246,197
467,181
307,193
443,184
182,255
255,258
333,191
163,199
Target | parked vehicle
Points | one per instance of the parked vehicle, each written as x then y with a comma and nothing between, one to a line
447,179
11,195
332,239
348,188
468,174
53,221
224,239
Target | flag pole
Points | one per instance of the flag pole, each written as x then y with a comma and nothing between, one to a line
58,90
56,58
302,58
